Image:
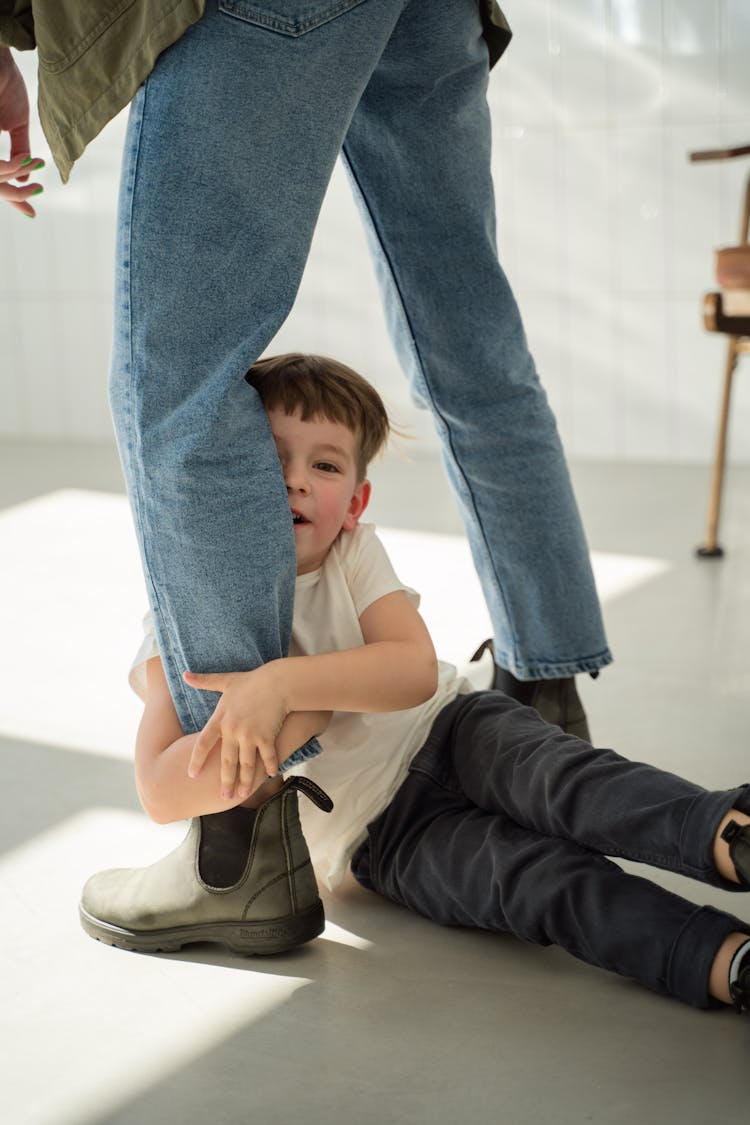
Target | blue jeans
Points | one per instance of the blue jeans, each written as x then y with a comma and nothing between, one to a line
504,823
230,147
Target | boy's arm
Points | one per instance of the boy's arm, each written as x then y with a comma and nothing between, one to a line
162,754
393,670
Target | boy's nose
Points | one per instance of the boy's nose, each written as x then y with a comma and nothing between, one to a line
296,480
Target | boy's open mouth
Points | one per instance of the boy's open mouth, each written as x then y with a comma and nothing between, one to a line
298,519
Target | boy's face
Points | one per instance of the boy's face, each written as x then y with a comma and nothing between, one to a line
319,463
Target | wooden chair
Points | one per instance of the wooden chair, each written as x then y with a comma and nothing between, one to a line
728,312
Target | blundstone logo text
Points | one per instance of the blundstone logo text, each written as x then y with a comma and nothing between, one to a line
266,931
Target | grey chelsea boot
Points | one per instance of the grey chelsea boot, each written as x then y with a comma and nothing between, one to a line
262,897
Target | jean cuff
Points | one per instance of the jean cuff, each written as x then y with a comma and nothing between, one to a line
311,749
699,829
694,952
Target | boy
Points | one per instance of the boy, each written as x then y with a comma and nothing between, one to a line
464,806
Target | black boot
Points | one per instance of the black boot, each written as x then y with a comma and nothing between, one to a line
557,701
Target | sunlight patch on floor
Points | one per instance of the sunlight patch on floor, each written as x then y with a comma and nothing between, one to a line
341,936
441,568
72,602
72,599
107,1024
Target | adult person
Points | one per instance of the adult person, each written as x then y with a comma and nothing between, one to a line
239,111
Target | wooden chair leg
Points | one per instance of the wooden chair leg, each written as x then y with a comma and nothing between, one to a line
711,548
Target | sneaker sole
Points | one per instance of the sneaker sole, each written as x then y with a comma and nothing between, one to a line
275,935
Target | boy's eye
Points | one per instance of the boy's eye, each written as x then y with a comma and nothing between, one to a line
326,466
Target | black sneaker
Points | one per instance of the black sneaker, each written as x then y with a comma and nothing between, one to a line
738,838
739,989
557,701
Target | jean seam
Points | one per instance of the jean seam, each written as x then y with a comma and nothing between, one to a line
248,13
686,820
436,781
666,863
443,782
301,755
725,923
670,969
468,496
709,872
137,499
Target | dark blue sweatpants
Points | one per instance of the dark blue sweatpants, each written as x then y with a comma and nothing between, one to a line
504,823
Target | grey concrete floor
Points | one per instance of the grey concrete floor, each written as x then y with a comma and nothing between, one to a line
388,1017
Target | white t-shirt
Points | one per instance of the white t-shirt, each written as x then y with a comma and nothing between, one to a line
365,756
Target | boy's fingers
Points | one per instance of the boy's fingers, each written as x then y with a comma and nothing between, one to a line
205,743
247,769
268,754
205,681
229,757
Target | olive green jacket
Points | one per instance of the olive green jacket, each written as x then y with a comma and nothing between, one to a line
94,56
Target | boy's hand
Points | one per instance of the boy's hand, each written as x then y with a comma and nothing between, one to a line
246,723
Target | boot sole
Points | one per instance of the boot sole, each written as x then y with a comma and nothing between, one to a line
275,935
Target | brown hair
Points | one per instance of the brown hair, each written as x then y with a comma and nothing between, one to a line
319,387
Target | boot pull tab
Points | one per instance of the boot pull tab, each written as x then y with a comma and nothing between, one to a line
311,790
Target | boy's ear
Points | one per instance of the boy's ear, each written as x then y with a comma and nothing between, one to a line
357,505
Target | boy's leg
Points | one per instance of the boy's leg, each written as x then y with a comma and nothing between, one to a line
418,151
505,759
435,852
231,142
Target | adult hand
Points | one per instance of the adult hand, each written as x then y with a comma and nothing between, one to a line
14,120
245,724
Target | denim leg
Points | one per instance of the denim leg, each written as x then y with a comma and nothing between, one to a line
435,852
418,154
505,759
230,146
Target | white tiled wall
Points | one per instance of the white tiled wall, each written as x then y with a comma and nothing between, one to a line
606,230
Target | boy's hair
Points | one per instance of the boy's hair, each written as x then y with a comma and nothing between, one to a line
319,387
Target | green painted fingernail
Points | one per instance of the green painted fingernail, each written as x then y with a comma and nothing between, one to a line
28,216
38,191
28,160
